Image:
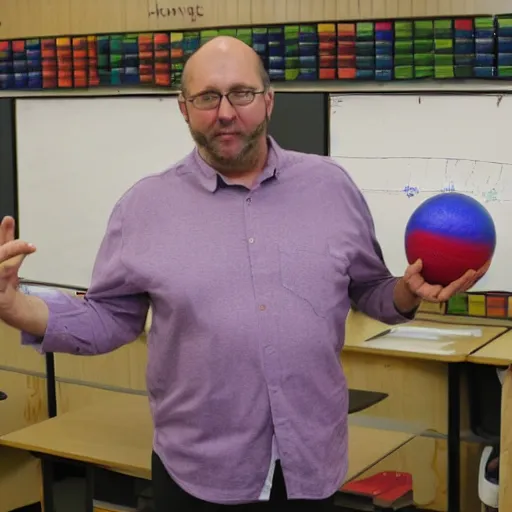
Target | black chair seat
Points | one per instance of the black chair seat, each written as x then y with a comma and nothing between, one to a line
359,399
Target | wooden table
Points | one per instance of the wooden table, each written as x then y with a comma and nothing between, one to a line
450,353
496,353
499,353
360,329
117,435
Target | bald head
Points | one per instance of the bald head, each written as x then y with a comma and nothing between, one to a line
217,54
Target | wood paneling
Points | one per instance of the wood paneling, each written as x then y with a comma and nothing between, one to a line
32,18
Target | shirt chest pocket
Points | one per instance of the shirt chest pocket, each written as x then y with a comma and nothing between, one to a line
316,277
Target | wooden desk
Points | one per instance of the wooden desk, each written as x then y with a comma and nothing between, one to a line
360,328
117,434
434,402
23,380
496,353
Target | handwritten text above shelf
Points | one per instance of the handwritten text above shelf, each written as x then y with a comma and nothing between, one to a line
45,18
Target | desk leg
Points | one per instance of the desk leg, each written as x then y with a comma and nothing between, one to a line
505,498
48,489
453,437
89,488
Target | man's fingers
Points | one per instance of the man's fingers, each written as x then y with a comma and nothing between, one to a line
430,292
415,282
413,269
6,230
12,253
483,269
12,263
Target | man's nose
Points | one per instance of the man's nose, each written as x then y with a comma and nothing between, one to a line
226,110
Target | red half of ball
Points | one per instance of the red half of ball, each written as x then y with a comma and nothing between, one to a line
445,259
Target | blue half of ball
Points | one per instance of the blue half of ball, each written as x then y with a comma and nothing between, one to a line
454,215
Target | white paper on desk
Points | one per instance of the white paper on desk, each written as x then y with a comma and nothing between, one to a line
399,343
430,333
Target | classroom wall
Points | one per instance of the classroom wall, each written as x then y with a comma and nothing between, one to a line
36,18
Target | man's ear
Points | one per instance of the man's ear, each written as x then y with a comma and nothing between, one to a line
269,101
183,107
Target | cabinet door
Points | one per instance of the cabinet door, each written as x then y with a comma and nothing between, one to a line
7,158
299,121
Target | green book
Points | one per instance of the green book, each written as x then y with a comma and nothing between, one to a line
484,22
423,29
365,31
458,305
245,35
404,72
292,63
206,35
404,60
443,45
444,72
424,59
443,29
505,71
403,30
291,74
404,47
228,32
424,71
443,60
423,45
116,44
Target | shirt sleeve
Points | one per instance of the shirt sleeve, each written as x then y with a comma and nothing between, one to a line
112,313
371,283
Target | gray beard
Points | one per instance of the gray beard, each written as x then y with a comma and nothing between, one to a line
245,157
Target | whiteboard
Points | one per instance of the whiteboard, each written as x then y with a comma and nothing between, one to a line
76,157
401,149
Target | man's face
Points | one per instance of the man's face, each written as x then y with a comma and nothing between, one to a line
229,132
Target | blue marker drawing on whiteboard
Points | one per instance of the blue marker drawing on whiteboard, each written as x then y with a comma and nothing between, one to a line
490,195
411,191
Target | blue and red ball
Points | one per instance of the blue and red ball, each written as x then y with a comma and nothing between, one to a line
451,233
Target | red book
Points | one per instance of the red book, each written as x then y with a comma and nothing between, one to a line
387,489
463,24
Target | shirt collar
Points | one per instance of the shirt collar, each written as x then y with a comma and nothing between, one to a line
211,179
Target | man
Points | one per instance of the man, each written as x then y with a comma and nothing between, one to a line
250,257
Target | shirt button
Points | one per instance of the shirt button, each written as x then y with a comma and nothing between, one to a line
248,200
251,240
263,307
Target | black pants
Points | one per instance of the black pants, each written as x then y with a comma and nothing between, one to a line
169,497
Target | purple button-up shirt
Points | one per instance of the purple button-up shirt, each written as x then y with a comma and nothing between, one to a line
249,291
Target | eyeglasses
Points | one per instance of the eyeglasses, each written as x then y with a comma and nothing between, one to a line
211,100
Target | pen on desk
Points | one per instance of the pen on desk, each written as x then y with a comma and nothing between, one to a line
387,331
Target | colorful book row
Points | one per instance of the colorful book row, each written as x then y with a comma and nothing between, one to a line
479,47
488,305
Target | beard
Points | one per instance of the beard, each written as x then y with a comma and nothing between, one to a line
246,155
